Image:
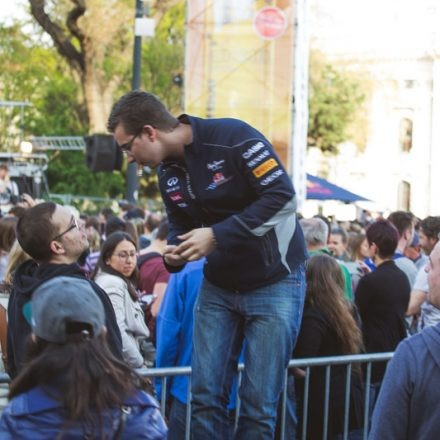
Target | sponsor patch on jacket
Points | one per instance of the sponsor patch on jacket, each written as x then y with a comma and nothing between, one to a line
252,150
172,181
265,167
217,180
215,165
271,177
176,197
258,159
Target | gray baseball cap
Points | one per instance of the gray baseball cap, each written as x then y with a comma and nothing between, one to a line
66,305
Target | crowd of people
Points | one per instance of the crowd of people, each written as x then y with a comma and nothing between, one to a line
357,301
224,274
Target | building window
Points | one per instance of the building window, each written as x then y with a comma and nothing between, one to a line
404,196
405,134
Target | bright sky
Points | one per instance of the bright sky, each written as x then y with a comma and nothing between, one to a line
387,27
400,27
12,9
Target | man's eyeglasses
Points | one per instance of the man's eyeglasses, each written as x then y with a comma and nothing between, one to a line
127,146
126,255
74,224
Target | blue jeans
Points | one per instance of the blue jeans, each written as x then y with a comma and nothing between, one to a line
269,319
177,421
291,415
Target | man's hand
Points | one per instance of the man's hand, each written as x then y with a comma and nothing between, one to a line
196,244
26,201
171,257
299,373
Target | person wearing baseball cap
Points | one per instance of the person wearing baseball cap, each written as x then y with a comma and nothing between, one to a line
72,384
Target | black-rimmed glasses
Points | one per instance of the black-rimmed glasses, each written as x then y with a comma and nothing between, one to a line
74,224
127,146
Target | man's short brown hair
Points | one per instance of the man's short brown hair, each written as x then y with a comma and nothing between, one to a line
402,220
136,109
431,226
35,231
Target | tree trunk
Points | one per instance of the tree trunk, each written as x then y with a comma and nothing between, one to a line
94,30
94,102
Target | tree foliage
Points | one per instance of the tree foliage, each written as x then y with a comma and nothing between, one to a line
68,174
163,58
32,72
335,98
36,69
95,38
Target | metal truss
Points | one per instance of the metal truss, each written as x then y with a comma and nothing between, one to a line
44,143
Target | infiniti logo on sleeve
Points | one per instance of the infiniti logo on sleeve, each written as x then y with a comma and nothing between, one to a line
172,181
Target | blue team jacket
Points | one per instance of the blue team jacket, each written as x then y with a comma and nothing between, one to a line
35,415
232,180
174,329
174,326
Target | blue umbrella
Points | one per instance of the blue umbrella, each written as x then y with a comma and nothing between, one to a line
321,189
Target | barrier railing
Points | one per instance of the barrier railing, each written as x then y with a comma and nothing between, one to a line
307,364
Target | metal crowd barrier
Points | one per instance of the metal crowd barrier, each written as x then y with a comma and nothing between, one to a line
307,364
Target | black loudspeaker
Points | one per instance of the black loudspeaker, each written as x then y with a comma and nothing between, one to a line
102,153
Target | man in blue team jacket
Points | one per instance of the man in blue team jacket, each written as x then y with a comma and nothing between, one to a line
228,198
174,328
174,341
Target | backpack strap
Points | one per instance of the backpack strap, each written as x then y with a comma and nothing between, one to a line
125,411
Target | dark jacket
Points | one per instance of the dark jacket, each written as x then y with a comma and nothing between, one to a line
232,180
27,278
408,406
318,338
382,299
36,416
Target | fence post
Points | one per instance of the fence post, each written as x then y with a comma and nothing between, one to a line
347,401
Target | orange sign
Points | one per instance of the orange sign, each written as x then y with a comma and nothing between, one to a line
265,167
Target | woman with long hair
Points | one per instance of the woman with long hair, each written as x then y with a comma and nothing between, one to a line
358,247
7,238
329,328
116,272
71,385
358,257
16,256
